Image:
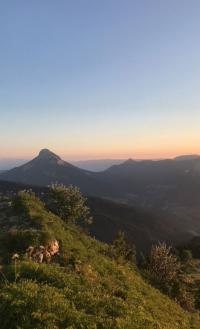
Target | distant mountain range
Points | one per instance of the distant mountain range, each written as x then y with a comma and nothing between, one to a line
49,168
187,157
95,165
146,182
91,165
168,189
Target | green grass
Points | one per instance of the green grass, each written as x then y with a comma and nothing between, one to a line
84,289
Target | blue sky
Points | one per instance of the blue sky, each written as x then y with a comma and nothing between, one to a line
104,78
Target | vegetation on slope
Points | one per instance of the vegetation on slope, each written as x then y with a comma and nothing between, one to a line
83,287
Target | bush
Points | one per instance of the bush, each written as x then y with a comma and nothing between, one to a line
68,203
167,274
163,264
121,250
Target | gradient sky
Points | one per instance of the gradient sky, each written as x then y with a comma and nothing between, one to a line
99,78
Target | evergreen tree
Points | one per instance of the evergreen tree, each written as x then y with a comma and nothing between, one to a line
121,250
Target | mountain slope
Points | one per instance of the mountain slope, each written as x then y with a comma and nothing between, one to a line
49,168
85,288
154,182
141,227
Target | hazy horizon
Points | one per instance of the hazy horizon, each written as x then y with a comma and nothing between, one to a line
96,164
97,158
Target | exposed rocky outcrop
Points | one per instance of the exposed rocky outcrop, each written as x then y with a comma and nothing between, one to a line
43,254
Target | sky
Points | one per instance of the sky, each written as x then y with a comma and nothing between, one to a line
99,78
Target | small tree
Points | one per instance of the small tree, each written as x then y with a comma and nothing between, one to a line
121,250
68,203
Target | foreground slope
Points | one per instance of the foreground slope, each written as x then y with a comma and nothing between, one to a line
82,288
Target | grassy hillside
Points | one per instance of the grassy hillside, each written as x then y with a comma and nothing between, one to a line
83,287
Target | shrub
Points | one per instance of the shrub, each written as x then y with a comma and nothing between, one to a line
121,250
163,264
68,203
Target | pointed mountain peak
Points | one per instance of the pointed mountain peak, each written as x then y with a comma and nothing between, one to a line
129,161
48,155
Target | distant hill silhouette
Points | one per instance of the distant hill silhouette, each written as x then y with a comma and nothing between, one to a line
187,157
49,168
168,188
146,183
154,183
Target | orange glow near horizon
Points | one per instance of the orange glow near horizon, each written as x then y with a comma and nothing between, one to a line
97,87
117,152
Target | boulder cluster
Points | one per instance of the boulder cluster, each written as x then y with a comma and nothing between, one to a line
43,254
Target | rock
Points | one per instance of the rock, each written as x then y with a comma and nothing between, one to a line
43,253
